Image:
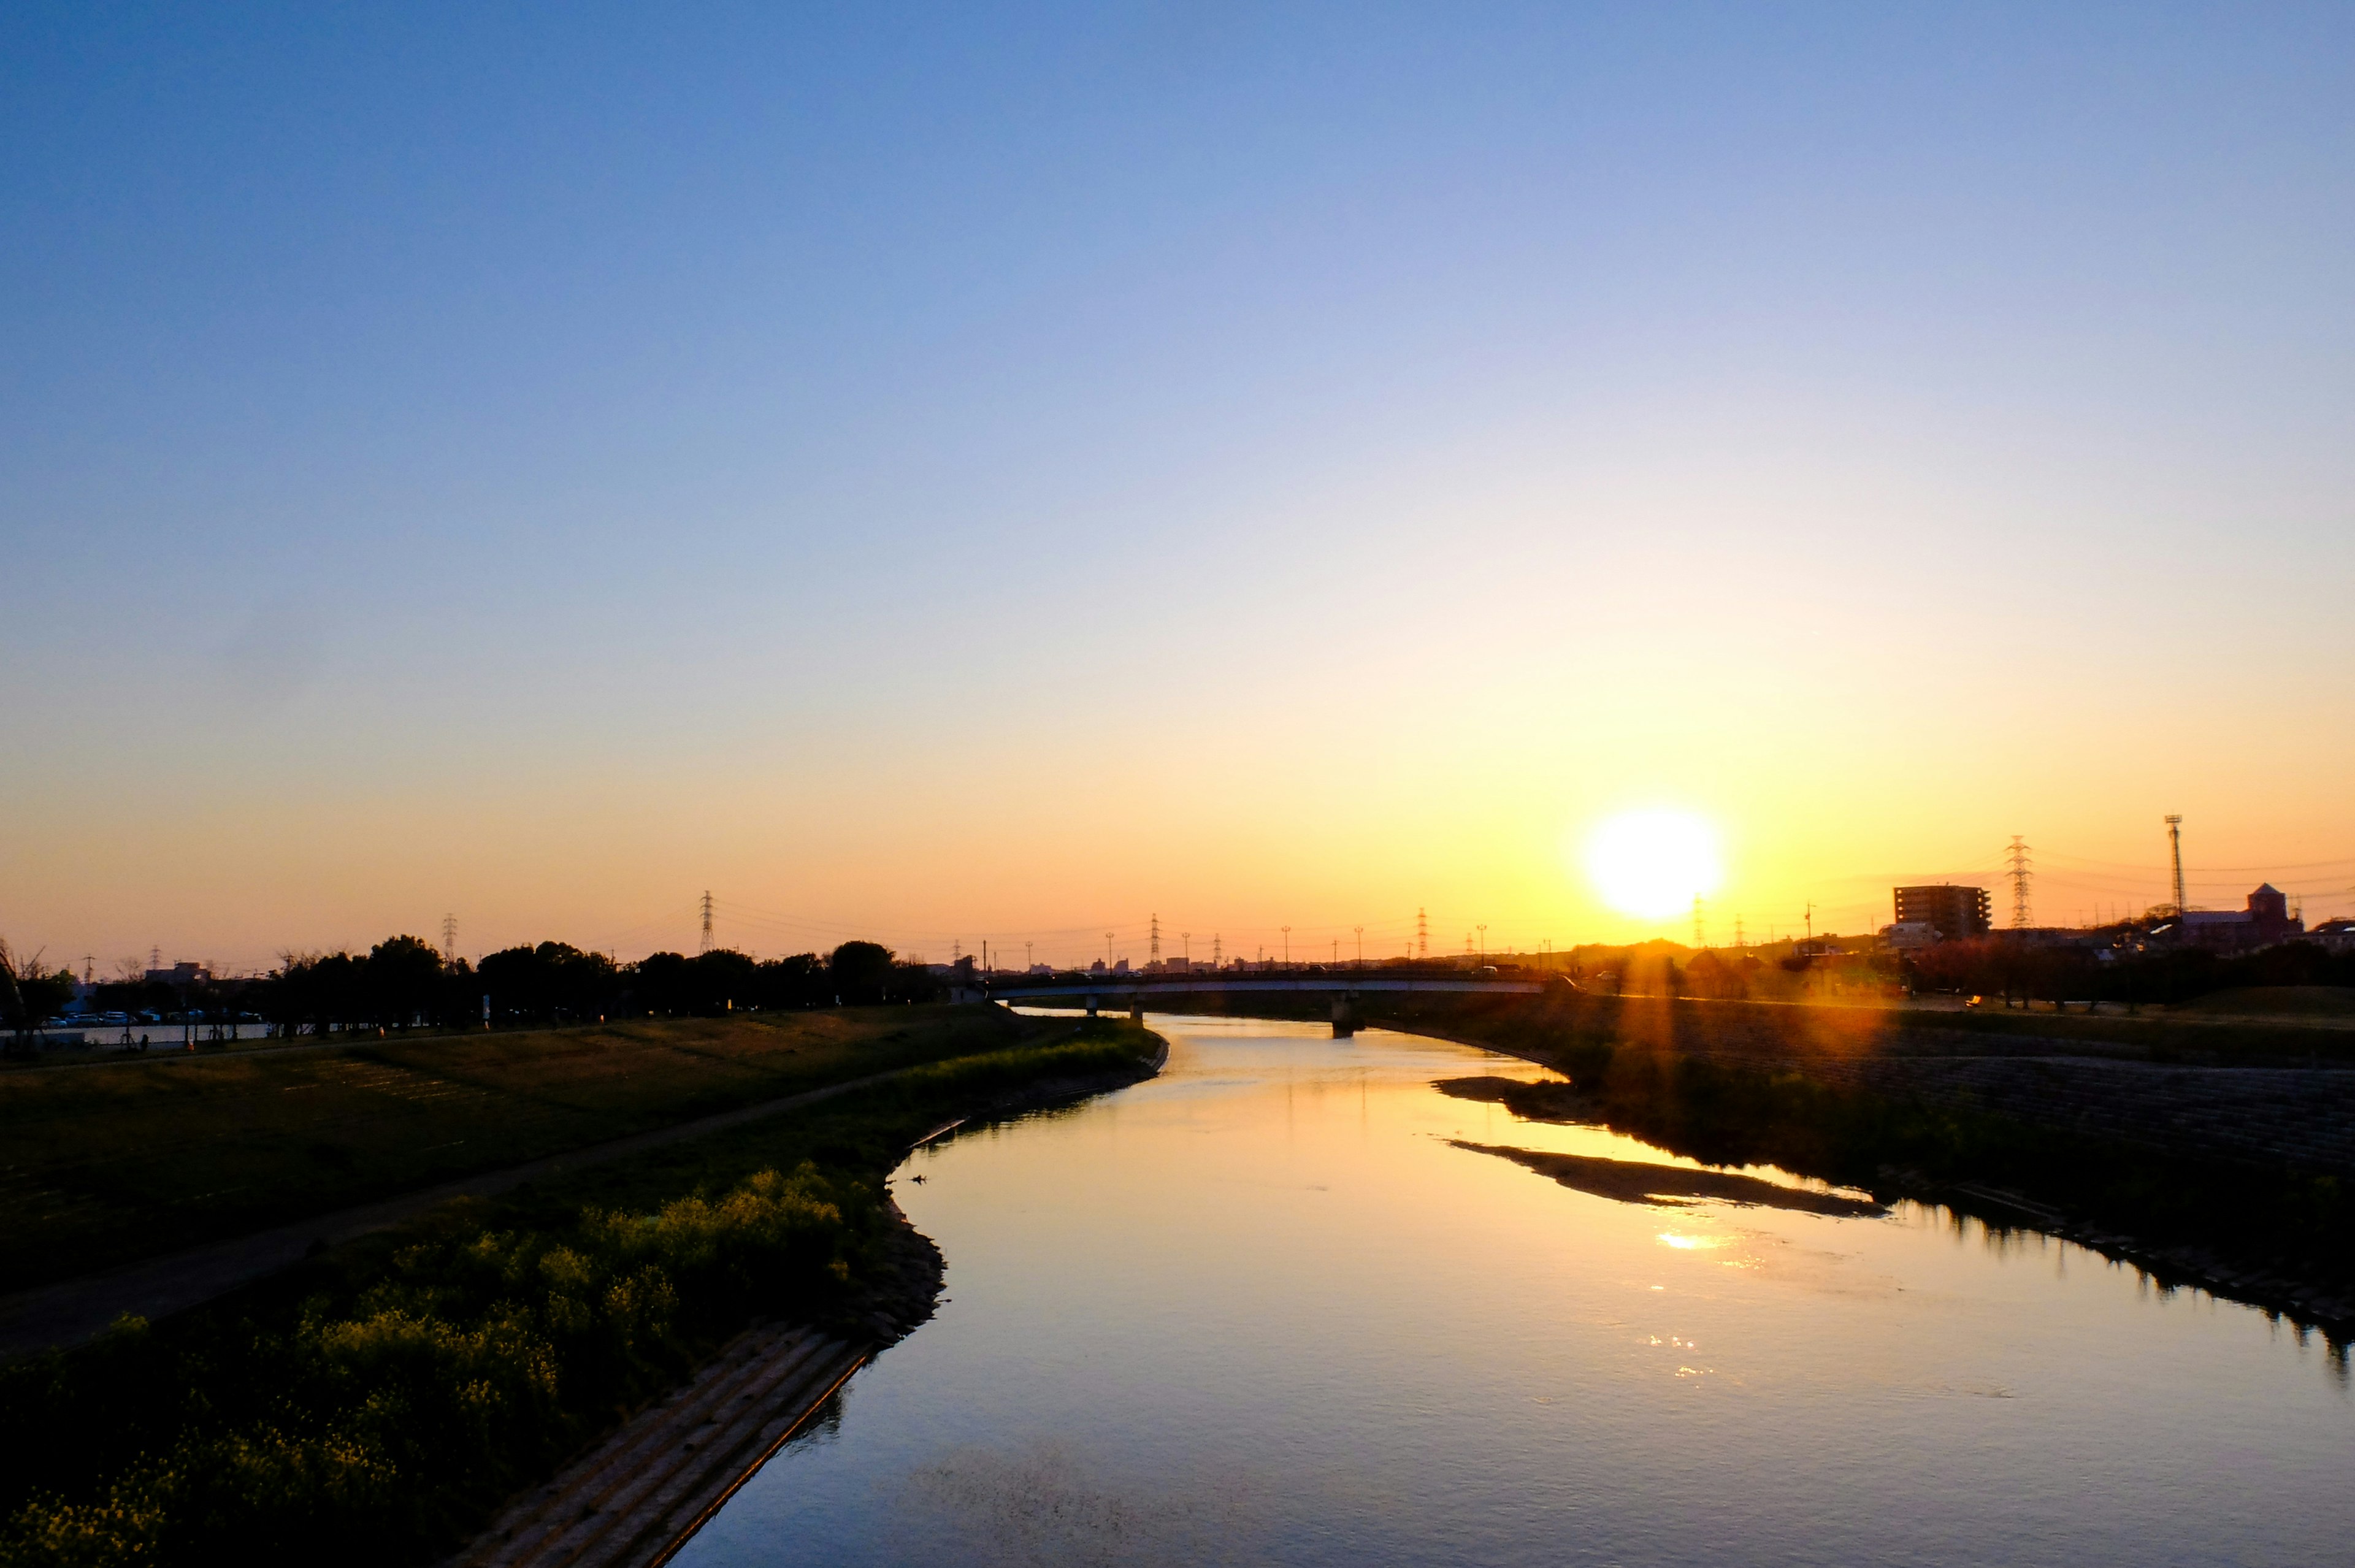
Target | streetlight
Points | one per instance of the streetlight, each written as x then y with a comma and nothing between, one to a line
1287,947
1361,946
1483,944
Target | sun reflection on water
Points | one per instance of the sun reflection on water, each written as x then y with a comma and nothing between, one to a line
1685,1243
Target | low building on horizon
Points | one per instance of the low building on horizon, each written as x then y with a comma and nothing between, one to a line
1909,935
2265,921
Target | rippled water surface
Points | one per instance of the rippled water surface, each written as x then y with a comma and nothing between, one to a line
1265,1309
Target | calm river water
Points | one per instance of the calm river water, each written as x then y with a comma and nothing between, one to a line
1261,1309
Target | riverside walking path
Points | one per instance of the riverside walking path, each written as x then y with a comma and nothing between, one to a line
74,1311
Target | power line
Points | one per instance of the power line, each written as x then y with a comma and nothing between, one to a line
2156,869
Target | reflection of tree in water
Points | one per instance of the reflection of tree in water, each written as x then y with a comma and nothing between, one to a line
825,1428
1040,1504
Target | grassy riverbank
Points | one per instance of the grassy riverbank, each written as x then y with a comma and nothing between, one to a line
102,1165
378,1405
1785,1028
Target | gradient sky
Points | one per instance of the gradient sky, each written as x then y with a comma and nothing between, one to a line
939,472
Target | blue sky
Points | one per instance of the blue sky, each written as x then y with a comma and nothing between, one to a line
544,462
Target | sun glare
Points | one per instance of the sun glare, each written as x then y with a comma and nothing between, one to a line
1653,864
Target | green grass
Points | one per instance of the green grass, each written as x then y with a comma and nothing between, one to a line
2160,1034
106,1164
378,1405
1801,1030
2319,1003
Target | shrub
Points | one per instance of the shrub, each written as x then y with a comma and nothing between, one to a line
382,1418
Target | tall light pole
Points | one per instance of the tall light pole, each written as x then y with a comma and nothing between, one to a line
1287,947
1186,942
1361,947
1484,941
2174,852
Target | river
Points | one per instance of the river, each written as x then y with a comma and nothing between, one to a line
1265,1308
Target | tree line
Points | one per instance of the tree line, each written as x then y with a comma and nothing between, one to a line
404,981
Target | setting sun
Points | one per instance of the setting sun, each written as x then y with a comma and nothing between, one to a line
1653,864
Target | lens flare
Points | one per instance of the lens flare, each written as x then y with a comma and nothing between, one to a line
1653,864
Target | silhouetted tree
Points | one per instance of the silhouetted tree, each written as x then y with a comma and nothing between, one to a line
28,993
404,980
861,972
553,982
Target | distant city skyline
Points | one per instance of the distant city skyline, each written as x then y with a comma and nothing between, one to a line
2077,892
930,475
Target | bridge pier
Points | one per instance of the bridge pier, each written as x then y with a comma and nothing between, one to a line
1346,1020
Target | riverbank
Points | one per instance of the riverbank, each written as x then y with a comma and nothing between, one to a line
2215,1155
639,1494
2268,1232
380,1404
102,1169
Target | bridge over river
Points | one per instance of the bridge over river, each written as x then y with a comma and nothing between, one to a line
1172,993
